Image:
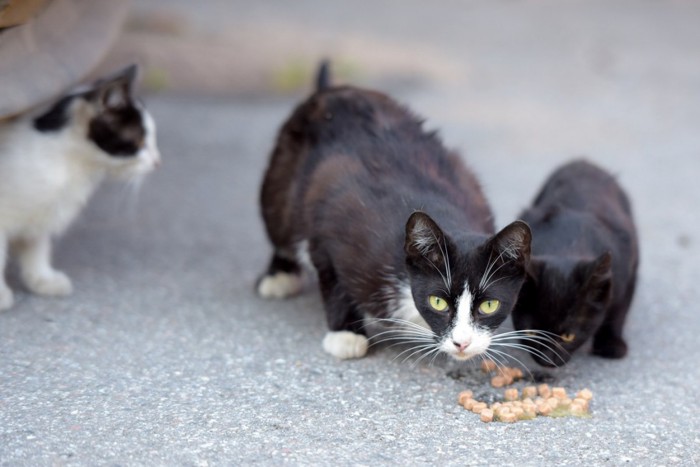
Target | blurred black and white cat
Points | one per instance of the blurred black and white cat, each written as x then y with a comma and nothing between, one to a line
52,161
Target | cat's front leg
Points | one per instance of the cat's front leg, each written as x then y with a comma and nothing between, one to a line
39,276
608,341
346,337
6,297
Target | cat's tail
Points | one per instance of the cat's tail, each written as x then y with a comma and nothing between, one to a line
323,75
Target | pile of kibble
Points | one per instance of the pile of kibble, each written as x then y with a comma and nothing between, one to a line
506,375
535,401
532,402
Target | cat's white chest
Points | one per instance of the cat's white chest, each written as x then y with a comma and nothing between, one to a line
43,185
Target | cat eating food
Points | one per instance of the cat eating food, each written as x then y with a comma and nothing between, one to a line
582,273
395,225
52,161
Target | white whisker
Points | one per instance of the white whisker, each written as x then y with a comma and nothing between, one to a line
488,282
435,351
507,355
528,349
444,279
448,270
488,274
414,350
519,339
494,358
420,339
543,338
489,265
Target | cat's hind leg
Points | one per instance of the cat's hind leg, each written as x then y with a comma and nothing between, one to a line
6,297
34,254
279,205
608,342
283,278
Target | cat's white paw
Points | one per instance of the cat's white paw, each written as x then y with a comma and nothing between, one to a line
52,284
280,285
6,298
345,344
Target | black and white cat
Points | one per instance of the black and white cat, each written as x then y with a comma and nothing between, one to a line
395,225
52,161
582,274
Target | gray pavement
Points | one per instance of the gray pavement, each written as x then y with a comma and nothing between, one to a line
164,356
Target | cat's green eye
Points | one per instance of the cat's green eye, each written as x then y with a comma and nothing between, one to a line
568,337
438,304
489,306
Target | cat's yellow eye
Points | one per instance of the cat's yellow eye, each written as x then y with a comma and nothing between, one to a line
489,306
568,337
438,304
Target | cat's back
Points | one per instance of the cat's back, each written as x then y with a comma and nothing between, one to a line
584,186
365,142
593,195
367,126
341,114
561,231
582,210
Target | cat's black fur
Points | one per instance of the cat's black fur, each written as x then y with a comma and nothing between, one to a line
117,128
582,273
381,203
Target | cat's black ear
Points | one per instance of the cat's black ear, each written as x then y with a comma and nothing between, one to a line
115,90
424,238
512,243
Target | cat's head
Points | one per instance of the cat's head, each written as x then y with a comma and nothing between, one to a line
108,125
465,287
565,298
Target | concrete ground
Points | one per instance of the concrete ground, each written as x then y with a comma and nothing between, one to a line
164,355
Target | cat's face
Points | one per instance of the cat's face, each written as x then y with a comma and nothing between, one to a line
111,121
464,288
566,299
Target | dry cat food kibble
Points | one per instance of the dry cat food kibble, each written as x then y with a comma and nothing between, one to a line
529,392
540,401
505,375
511,394
486,415
464,395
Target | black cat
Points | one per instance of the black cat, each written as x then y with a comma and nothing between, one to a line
395,225
582,273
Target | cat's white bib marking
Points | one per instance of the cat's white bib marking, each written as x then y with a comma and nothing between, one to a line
280,285
345,344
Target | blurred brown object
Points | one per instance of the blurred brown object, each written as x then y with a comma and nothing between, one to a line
16,12
54,49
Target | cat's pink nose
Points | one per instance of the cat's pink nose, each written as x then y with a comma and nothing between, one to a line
461,345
